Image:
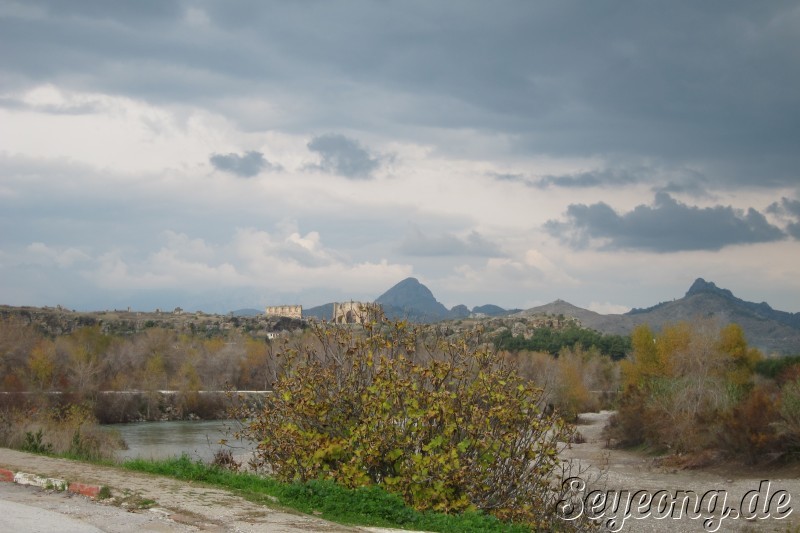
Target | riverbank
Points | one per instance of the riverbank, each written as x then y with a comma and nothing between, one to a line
116,407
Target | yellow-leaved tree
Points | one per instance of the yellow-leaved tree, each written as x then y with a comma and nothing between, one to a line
682,384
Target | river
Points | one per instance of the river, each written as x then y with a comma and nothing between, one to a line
161,440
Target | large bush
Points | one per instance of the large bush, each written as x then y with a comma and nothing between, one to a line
444,422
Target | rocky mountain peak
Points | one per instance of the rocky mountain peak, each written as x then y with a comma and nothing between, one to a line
702,286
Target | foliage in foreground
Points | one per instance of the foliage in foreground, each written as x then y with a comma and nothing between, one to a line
445,423
369,506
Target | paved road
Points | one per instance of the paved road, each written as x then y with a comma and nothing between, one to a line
32,510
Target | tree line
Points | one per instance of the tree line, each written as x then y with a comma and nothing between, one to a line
553,341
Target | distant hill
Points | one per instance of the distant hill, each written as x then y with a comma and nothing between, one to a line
489,310
321,312
765,328
247,312
459,311
588,319
411,300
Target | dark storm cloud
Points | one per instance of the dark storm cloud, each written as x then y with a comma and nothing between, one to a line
666,226
711,81
247,165
599,178
420,245
343,156
605,177
696,188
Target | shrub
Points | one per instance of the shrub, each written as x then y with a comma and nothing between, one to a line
443,422
69,430
34,444
789,424
750,429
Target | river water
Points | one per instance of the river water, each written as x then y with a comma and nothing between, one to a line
197,439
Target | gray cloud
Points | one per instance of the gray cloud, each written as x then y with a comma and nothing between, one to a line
696,81
247,165
596,178
789,210
343,156
667,226
696,188
511,178
420,245
680,180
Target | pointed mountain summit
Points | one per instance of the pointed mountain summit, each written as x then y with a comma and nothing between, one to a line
765,328
412,300
702,286
762,310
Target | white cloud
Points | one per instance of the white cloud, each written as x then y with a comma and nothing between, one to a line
607,308
253,258
63,257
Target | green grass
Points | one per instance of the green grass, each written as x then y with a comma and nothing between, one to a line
366,506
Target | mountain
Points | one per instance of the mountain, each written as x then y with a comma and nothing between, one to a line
247,312
763,309
588,319
321,312
765,328
411,300
459,311
489,310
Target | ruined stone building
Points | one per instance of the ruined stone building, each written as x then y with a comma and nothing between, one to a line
291,311
353,312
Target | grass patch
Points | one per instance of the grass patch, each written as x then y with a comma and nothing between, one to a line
366,506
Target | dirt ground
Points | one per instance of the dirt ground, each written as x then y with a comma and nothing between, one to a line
150,503
634,471
179,506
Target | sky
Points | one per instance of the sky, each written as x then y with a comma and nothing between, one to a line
223,155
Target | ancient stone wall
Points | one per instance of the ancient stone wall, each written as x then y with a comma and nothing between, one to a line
291,311
352,312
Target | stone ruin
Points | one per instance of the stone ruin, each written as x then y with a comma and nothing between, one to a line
353,312
291,311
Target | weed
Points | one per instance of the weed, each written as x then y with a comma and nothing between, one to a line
34,443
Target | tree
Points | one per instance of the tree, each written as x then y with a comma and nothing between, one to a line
42,364
86,348
442,421
683,385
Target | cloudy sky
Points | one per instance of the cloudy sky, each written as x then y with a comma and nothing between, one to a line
219,155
